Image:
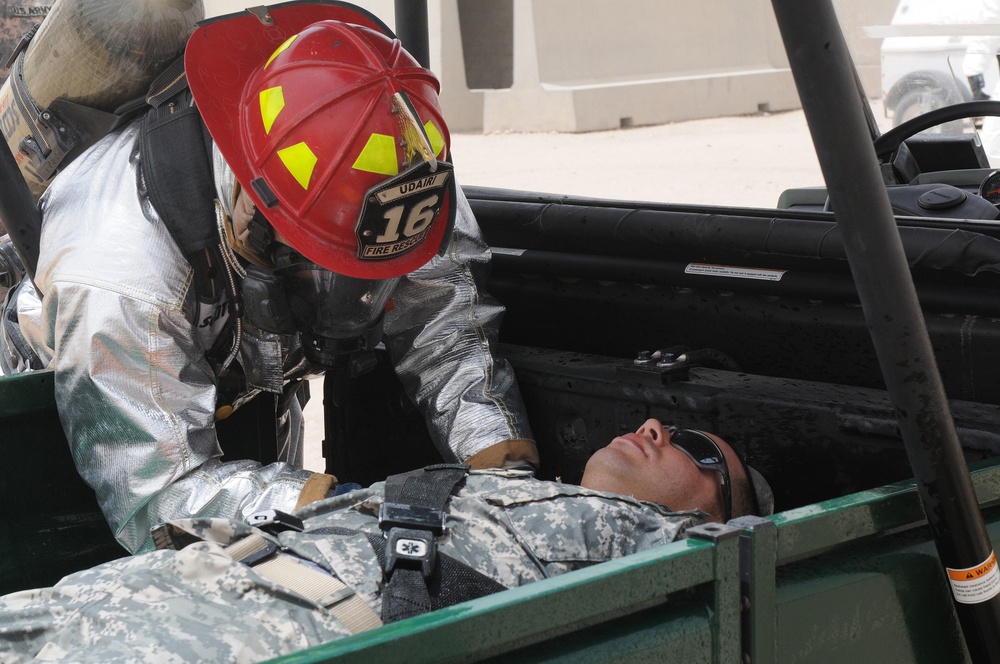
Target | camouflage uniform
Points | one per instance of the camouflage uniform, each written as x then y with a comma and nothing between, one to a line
198,605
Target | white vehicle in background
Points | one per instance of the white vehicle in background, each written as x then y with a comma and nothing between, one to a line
922,54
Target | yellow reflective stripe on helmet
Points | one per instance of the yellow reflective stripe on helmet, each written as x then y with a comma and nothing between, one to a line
300,162
435,137
378,156
288,42
272,102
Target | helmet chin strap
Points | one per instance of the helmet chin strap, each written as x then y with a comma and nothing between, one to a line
248,233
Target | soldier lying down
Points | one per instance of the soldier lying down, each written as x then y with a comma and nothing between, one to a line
233,592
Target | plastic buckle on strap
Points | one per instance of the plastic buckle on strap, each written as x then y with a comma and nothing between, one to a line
260,555
412,548
275,521
22,45
411,533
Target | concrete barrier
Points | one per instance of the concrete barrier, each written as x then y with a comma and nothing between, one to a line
586,65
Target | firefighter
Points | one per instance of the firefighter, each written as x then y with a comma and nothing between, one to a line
339,226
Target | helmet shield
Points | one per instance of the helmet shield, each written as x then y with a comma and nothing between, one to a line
399,214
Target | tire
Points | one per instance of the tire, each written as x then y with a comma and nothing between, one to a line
919,101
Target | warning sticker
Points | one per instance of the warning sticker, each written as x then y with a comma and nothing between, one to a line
733,271
975,584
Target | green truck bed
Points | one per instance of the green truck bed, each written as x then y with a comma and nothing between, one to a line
850,578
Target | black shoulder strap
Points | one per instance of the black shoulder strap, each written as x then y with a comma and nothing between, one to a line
176,171
417,579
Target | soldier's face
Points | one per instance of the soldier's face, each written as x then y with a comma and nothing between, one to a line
645,465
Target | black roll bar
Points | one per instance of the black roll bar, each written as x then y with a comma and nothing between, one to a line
411,28
19,212
824,76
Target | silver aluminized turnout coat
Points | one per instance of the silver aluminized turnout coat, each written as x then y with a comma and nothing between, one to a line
116,318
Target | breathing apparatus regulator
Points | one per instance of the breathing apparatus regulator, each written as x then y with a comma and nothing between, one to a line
335,315
337,137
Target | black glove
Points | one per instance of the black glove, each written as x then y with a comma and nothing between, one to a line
977,83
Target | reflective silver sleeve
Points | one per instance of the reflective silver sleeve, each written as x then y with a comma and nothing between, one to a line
134,391
441,331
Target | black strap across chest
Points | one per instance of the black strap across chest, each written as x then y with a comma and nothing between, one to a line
417,578
412,518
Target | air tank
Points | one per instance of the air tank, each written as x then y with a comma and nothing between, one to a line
87,55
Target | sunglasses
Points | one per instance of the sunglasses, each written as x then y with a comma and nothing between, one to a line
706,454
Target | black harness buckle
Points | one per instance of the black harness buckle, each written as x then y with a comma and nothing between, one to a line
275,521
411,534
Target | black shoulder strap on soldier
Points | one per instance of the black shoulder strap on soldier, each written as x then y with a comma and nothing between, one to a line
412,517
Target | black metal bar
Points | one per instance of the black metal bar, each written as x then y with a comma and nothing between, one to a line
411,28
19,212
654,234
829,287
821,67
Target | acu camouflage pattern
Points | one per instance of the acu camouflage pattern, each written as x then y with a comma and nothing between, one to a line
198,605
17,17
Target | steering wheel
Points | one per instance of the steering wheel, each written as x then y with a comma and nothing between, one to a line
887,144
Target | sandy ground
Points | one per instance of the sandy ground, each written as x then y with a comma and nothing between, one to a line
742,161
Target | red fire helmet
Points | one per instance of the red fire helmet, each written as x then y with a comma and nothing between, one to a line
334,131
